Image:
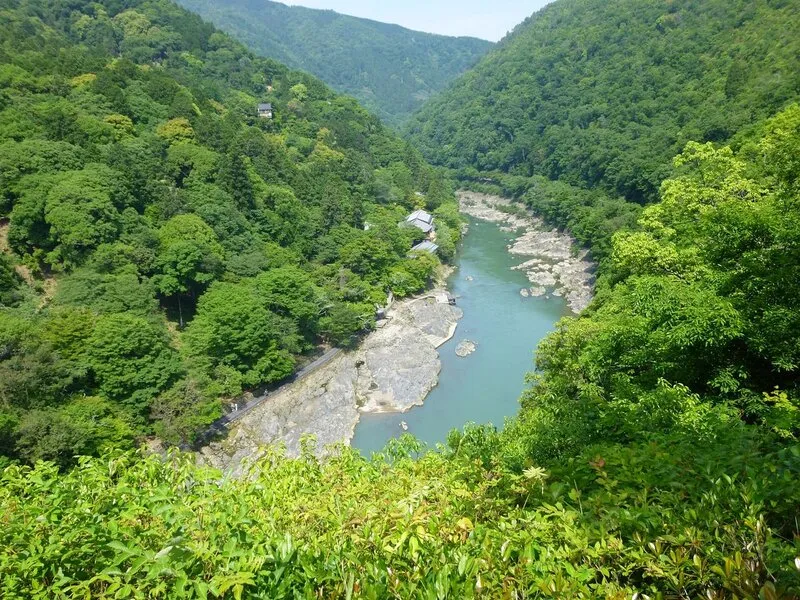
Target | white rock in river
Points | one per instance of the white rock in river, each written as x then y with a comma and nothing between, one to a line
552,261
538,291
465,348
524,292
541,278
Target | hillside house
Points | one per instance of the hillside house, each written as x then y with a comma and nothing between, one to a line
426,246
421,220
265,110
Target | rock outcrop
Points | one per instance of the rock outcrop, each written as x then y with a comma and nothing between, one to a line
391,371
465,348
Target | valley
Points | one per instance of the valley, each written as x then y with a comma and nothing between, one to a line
538,339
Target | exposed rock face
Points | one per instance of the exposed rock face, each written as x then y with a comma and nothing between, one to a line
538,291
400,364
553,265
323,404
465,348
393,370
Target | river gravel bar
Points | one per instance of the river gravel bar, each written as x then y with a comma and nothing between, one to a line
552,263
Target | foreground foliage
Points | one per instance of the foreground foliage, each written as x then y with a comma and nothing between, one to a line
658,518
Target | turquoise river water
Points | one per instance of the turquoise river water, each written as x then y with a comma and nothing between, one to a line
485,386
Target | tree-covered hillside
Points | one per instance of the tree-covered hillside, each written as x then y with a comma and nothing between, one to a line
656,455
161,246
391,70
657,450
605,92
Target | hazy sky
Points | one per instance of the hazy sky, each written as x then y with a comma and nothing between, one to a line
487,19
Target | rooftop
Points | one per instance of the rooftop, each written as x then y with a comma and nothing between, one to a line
425,227
420,215
425,246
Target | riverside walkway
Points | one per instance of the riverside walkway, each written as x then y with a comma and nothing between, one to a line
240,410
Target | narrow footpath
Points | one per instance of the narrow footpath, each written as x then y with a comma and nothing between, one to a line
240,411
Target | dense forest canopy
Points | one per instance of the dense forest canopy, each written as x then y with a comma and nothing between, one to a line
391,70
657,449
604,93
164,247
654,456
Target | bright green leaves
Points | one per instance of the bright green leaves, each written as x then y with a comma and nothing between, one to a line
189,255
290,292
414,274
780,148
178,130
662,327
639,253
658,517
18,159
186,160
189,227
235,329
367,256
131,360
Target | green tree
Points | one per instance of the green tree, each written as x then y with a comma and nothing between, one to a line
176,131
82,211
85,427
343,321
131,361
368,256
234,179
189,257
413,275
290,292
33,373
234,328
183,411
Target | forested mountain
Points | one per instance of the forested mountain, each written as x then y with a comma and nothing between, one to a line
597,92
140,192
654,456
657,449
391,70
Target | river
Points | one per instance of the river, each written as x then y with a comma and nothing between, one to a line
485,386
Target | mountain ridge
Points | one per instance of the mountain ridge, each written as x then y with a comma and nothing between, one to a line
606,93
389,68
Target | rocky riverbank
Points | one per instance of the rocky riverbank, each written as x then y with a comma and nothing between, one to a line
391,371
552,265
